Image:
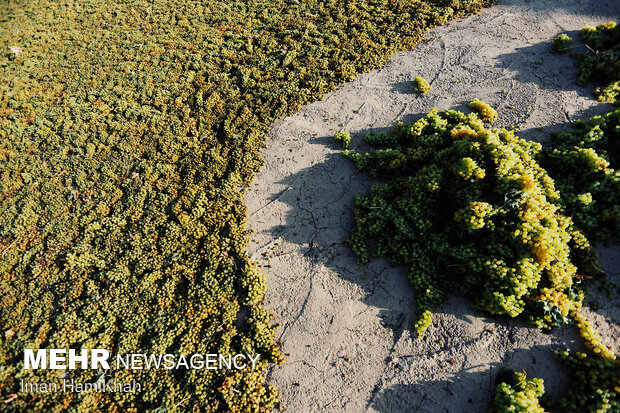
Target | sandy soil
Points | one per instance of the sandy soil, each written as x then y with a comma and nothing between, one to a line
346,330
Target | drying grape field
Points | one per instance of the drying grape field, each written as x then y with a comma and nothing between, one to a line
130,137
129,132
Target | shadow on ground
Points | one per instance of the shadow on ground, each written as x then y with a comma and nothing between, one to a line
425,397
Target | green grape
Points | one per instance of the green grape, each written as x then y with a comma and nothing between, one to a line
420,85
562,43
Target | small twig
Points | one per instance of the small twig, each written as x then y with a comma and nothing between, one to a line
589,48
8,248
179,403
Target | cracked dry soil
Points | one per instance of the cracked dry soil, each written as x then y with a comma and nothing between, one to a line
347,330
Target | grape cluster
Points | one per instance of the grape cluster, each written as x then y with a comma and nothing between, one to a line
420,85
595,383
602,61
562,43
520,395
594,387
583,162
344,138
486,112
468,209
